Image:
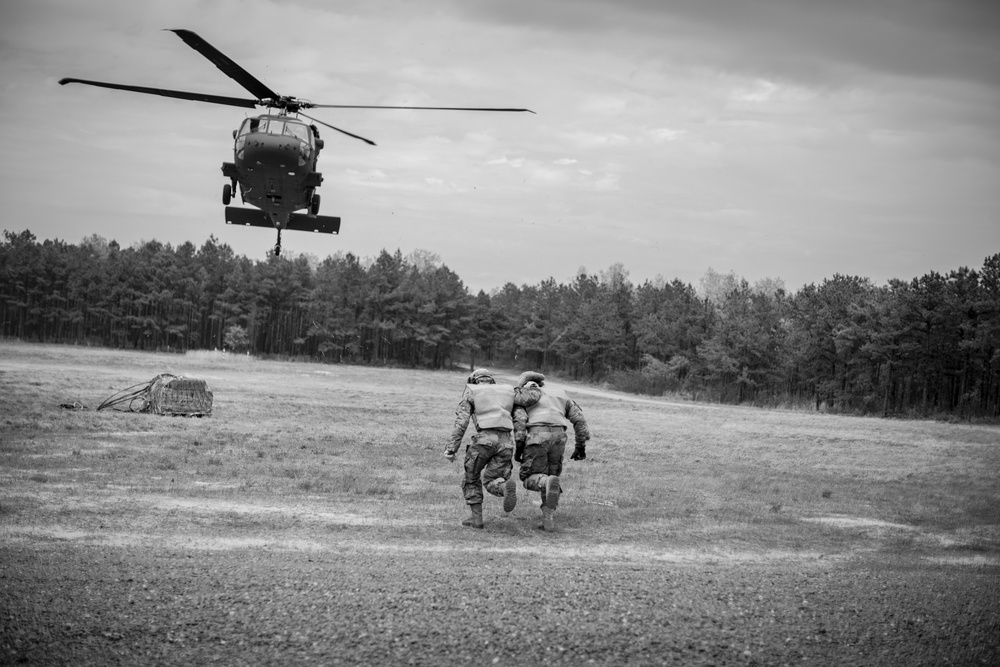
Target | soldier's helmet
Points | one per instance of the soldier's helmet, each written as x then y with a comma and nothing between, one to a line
481,376
531,376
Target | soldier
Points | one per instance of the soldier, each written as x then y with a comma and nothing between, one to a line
488,457
540,449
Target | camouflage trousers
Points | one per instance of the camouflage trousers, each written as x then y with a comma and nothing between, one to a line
487,459
543,455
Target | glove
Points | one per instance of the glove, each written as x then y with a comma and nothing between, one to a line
579,453
450,456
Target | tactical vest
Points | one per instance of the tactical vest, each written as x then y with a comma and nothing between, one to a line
494,403
550,410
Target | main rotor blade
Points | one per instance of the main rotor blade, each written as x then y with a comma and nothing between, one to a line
179,94
226,64
366,106
317,120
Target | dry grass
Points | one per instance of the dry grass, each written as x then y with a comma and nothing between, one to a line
319,454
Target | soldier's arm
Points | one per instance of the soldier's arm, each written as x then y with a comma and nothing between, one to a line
463,413
520,418
580,430
526,396
579,422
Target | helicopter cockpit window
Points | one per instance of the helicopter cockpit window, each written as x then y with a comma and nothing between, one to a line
277,126
299,131
249,126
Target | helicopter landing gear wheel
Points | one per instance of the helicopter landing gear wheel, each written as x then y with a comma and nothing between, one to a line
227,194
314,205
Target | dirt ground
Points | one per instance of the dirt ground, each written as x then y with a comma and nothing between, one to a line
153,579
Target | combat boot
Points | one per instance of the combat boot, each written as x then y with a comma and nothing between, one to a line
510,495
550,497
548,520
540,482
475,519
496,487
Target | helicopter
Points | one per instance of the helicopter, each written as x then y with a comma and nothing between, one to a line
275,154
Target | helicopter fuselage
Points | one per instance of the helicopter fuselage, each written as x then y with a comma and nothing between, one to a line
274,165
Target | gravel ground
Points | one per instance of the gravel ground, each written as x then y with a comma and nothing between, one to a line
65,603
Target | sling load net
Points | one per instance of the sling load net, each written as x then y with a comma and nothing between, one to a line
166,394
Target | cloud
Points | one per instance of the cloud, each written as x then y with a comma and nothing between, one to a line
586,140
606,105
802,40
515,163
666,134
757,92
608,183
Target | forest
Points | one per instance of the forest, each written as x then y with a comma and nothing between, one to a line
924,347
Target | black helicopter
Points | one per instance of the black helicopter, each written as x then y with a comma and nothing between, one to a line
275,154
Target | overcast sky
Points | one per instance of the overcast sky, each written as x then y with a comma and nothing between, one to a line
786,139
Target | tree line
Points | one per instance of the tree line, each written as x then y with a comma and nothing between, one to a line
927,346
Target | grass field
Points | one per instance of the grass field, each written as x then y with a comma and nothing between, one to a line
362,447
310,460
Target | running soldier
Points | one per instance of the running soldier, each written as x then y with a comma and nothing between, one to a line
488,457
541,447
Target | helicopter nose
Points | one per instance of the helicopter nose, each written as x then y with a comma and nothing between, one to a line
268,150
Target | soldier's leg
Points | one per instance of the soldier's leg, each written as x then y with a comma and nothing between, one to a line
549,488
475,518
500,466
498,475
475,461
535,472
472,488
534,467
553,483
555,454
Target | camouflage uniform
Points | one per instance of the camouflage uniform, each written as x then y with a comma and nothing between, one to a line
540,434
488,456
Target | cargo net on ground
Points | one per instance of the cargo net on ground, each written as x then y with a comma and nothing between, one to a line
165,394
